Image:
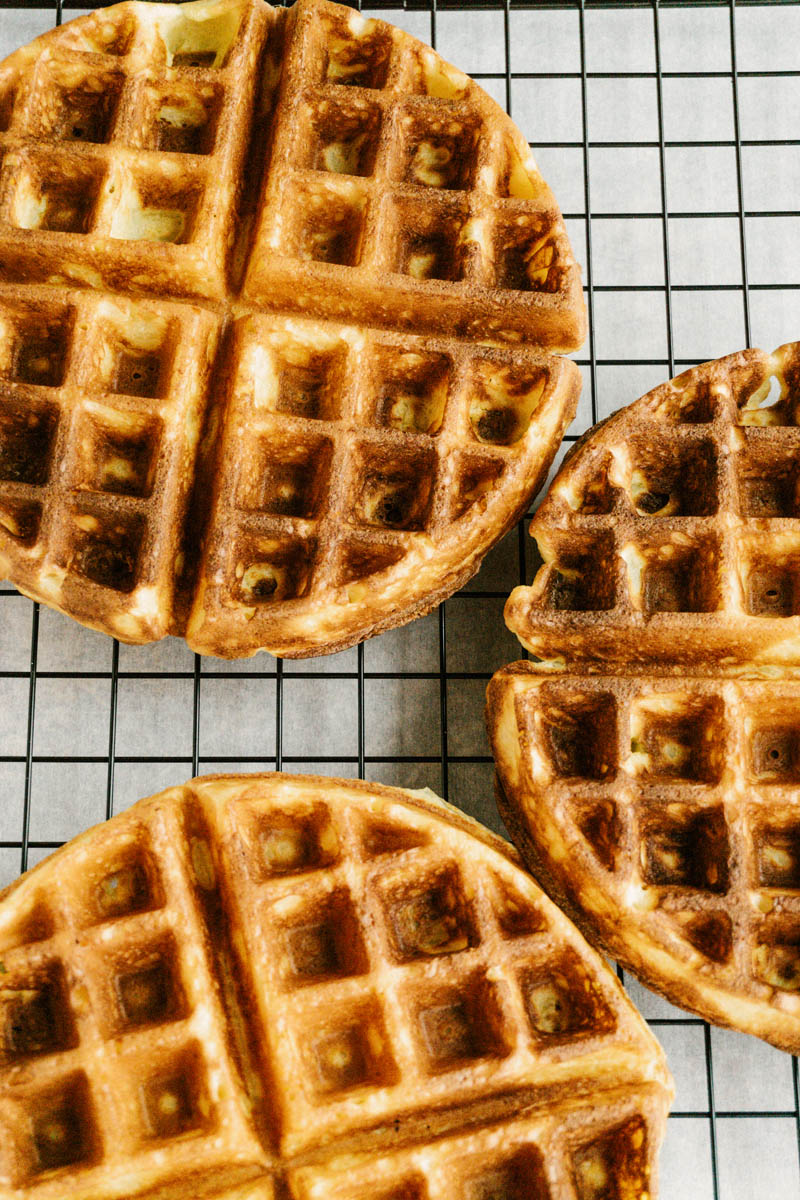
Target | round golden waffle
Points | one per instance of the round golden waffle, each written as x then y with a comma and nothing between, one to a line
278,295
649,760
287,988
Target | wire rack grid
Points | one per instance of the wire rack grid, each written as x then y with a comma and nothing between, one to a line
670,133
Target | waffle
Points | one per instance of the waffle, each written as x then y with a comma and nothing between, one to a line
288,988
279,292
649,759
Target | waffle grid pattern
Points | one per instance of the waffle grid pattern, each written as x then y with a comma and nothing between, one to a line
376,975
675,528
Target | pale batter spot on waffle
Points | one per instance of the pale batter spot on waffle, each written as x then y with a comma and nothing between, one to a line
56,198
583,577
578,734
356,53
562,1002
776,956
62,1128
503,402
520,1176
341,137
119,451
770,404
271,570
192,42
429,917
156,206
685,847
127,886
394,488
324,941
148,989
26,442
175,1100
614,1166
678,735
353,1053
290,477
35,1018
680,575
438,148
778,856
184,118
477,478
295,842
106,551
411,389
431,242
768,481
75,105
673,478
325,223
526,257
460,1025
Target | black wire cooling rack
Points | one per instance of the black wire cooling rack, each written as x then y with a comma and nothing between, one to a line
675,154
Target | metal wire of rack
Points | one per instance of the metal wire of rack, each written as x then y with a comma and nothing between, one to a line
674,150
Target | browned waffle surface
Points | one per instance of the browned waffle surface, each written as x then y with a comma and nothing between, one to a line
176,181
281,987
662,812
672,531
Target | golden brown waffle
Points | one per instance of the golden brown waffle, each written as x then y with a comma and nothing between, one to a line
278,294
287,988
670,533
649,761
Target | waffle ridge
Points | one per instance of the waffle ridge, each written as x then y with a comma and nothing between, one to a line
648,758
325,179
242,980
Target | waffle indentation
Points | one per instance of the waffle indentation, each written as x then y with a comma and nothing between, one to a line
394,488
35,1017
674,479
775,753
291,478
772,588
26,442
614,1165
77,107
324,941
519,1176
431,242
175,1100
184,119
156,207
578,734
776,957
526,255
325,224
683,847
36,350
411,390
344,138
120,451
503,402
429,917
295,842
768,482
357,56
63,1127
778,857
439,149
680,575
678,736
459,1025
200,44
58,198
21,520
272,570
148,990
583,577
126,887
353,1053
563,1002
107,552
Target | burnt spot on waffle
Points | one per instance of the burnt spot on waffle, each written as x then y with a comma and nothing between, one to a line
503,402
459,1025
352,1051
323,940
184,118
269,571
562,1002
673,478
175,1100
63,1127
599,823
428,917
35,1017
20,520
711,933
518,1176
